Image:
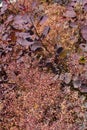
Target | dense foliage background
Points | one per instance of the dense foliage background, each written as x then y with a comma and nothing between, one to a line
43,65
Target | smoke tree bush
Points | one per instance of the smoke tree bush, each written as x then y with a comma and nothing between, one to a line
43,65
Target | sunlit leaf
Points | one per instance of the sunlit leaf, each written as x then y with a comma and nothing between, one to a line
82,60
22,35
70,13
3,8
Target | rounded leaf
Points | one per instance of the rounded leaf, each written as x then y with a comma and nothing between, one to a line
84,32
76,83
70,13
83,46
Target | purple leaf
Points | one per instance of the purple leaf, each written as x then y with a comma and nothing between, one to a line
30,32
66,77
34,4
84,2
84,32
83,46
36,46
23,35
70,13
22,22
45,32
83,88
5,36
4,8
71,4
73,25
24,42
76,83
9,19
29,39
43,19
85,8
